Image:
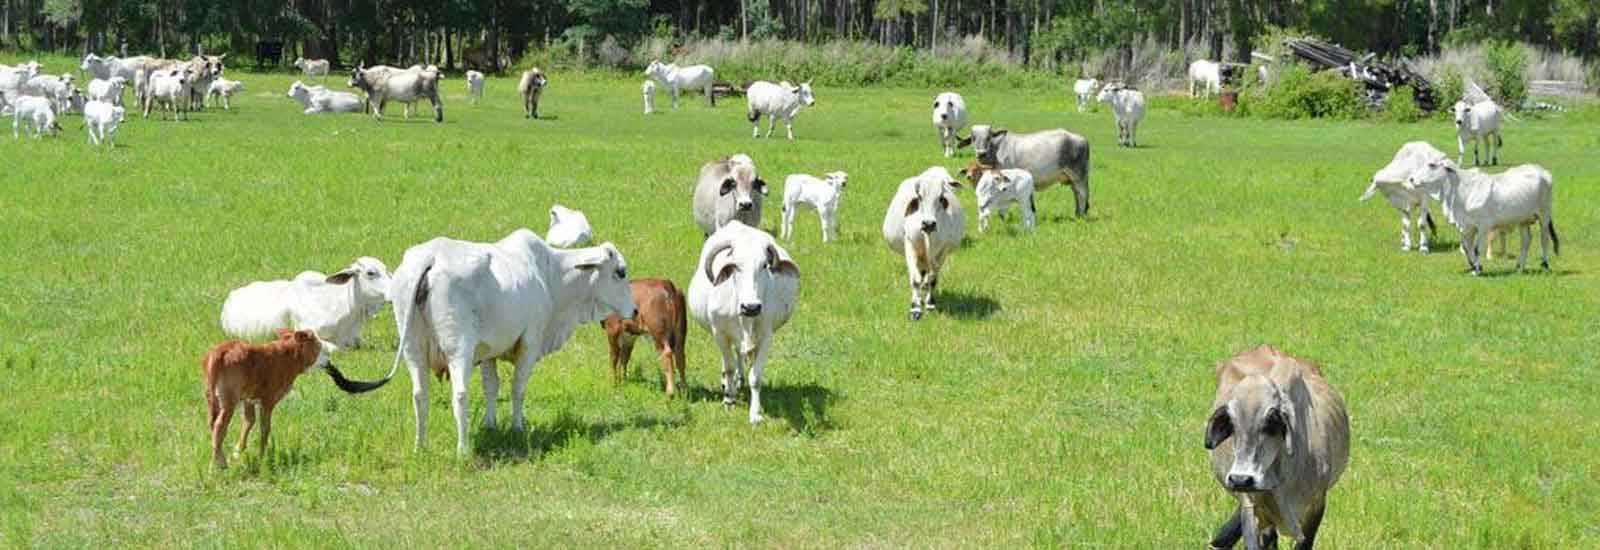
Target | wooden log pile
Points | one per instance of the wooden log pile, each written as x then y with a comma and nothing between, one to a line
1378,77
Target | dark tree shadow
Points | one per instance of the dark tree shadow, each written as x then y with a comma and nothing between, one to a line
967,306
502,444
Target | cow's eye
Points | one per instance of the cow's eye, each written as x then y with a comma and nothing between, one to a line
371,273
943,203
622,273
915,203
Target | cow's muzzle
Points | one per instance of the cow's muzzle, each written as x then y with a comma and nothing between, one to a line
928,226
749,310
746,206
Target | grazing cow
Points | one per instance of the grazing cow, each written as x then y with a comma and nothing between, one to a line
820,194
1207,75
677,79
258,375
384,85
461,305
531,87
1050,155
568,228
336,306
949,117
1392,181
997,190
649,89
312,67
1085,90
1279,439
743,291
781,100
475,86
36,113
1127,104
1478,122
1479,203
728,189
925,225
663,315
317,99
100,119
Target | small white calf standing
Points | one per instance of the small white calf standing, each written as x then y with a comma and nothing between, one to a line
35,111
1478,122
1085,90
997,190
224,89
820,194
1128,106
781,100
949,117
475,86
649,89
100,120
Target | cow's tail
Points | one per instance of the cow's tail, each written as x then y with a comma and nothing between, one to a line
404,313
1371,190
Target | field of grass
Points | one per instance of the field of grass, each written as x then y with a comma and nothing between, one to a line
1057,400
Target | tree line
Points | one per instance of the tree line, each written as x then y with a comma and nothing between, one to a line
449,32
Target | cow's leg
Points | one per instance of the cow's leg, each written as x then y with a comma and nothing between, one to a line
788,124
914,275
675,92
267,404
1405,231
711,98
665,356
491,392
1309,528
755,123
249,422
460,375
1230,531
416,361
1527,239
756,366
1547,233
1080,194
1424,227
438,108
219,428
786,231
519,383
1472,240
1461,149
730,361
1249,527
619,370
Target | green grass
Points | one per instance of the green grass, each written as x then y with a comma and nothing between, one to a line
1058,400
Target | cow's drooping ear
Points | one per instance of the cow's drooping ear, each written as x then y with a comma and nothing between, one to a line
962,142
761,186
341,277
998,133
1219,429
781,263
1278,423
936,104
284,333
727,186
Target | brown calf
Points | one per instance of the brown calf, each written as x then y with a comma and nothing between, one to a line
663,315
974,171
257,375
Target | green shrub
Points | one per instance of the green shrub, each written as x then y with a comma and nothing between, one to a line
1298,93
1508,69
1401,105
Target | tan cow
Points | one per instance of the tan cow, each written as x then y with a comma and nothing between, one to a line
256,375
1279,439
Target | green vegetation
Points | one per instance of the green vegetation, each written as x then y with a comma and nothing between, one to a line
1057,400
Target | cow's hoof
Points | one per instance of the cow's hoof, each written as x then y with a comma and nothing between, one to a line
727,402
756,418
1423,249
1405,248
916,315
1544,265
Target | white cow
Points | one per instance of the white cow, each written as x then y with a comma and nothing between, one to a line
1085,90
36,113
1478,203
1208,75
336,306
108,90
949,117
170,89
1393,181
224,89
820,194
1477,122
997,190
56,88
1127,105
924,223
312,67
677,79
781,100
743,290
100,119
317,99
475,86
461,305
11,79
568,228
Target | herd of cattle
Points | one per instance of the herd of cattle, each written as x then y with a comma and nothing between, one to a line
1278,433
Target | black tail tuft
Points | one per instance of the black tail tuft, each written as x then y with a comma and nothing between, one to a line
1427,218
754,116
1553,238
422,286
352,386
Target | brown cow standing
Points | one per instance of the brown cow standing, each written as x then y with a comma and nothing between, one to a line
663,315
256,374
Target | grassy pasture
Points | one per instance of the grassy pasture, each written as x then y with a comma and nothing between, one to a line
1057,399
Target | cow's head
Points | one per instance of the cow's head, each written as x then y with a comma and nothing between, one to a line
992,184
748,260
986,141
656,70
804,91
1257,418
1462,110
934,198
310,350
742,184
944,107
837,180
358,78
91,62
1436,178
368,279
600,273
297,90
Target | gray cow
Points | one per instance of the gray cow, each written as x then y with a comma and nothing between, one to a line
1279,439
728,189
1051,156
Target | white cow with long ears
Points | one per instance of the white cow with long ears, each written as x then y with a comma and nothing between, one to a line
782,100
677,79
1207,76
924,224
1050,156
1478,122
743,291
1479,203
1408,199
336,306
949,117
461,305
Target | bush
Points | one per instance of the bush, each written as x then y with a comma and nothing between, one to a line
1298,93
1401,105
1508,64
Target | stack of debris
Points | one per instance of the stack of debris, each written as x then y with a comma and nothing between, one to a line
1378,77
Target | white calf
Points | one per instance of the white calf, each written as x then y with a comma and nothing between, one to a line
100,119
224,89
649,89
475,86
781,100
1085,89
36,113
997,190
1128,106
820,194
1208,75
1478,122
949,117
